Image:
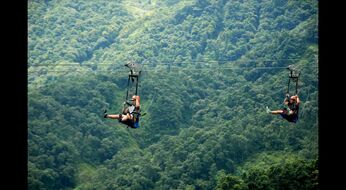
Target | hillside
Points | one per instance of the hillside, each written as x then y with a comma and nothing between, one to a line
210,67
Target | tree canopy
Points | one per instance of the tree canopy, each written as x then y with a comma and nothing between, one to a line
210,69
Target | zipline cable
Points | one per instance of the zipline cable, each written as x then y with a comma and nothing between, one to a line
177,68
172,62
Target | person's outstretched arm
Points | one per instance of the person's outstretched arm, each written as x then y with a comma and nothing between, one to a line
297,99
138,105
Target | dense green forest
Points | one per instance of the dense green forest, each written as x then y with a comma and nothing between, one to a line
210,67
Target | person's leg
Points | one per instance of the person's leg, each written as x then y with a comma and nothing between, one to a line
126,117
276,112
119,116
113,116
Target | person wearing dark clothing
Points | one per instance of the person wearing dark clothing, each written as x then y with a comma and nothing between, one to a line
130,115
290,112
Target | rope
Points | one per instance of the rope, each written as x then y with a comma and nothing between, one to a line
151,102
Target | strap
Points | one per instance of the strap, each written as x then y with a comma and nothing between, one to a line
288,86
297,86
128,87
294,75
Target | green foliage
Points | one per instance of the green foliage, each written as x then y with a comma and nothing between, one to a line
281,171
225,182
205,127
272,171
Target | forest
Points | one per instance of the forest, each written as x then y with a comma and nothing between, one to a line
210,68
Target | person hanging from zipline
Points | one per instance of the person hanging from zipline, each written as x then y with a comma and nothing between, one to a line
290,112
130,115
132,108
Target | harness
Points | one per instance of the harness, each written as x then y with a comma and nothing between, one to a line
294,77
293,107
